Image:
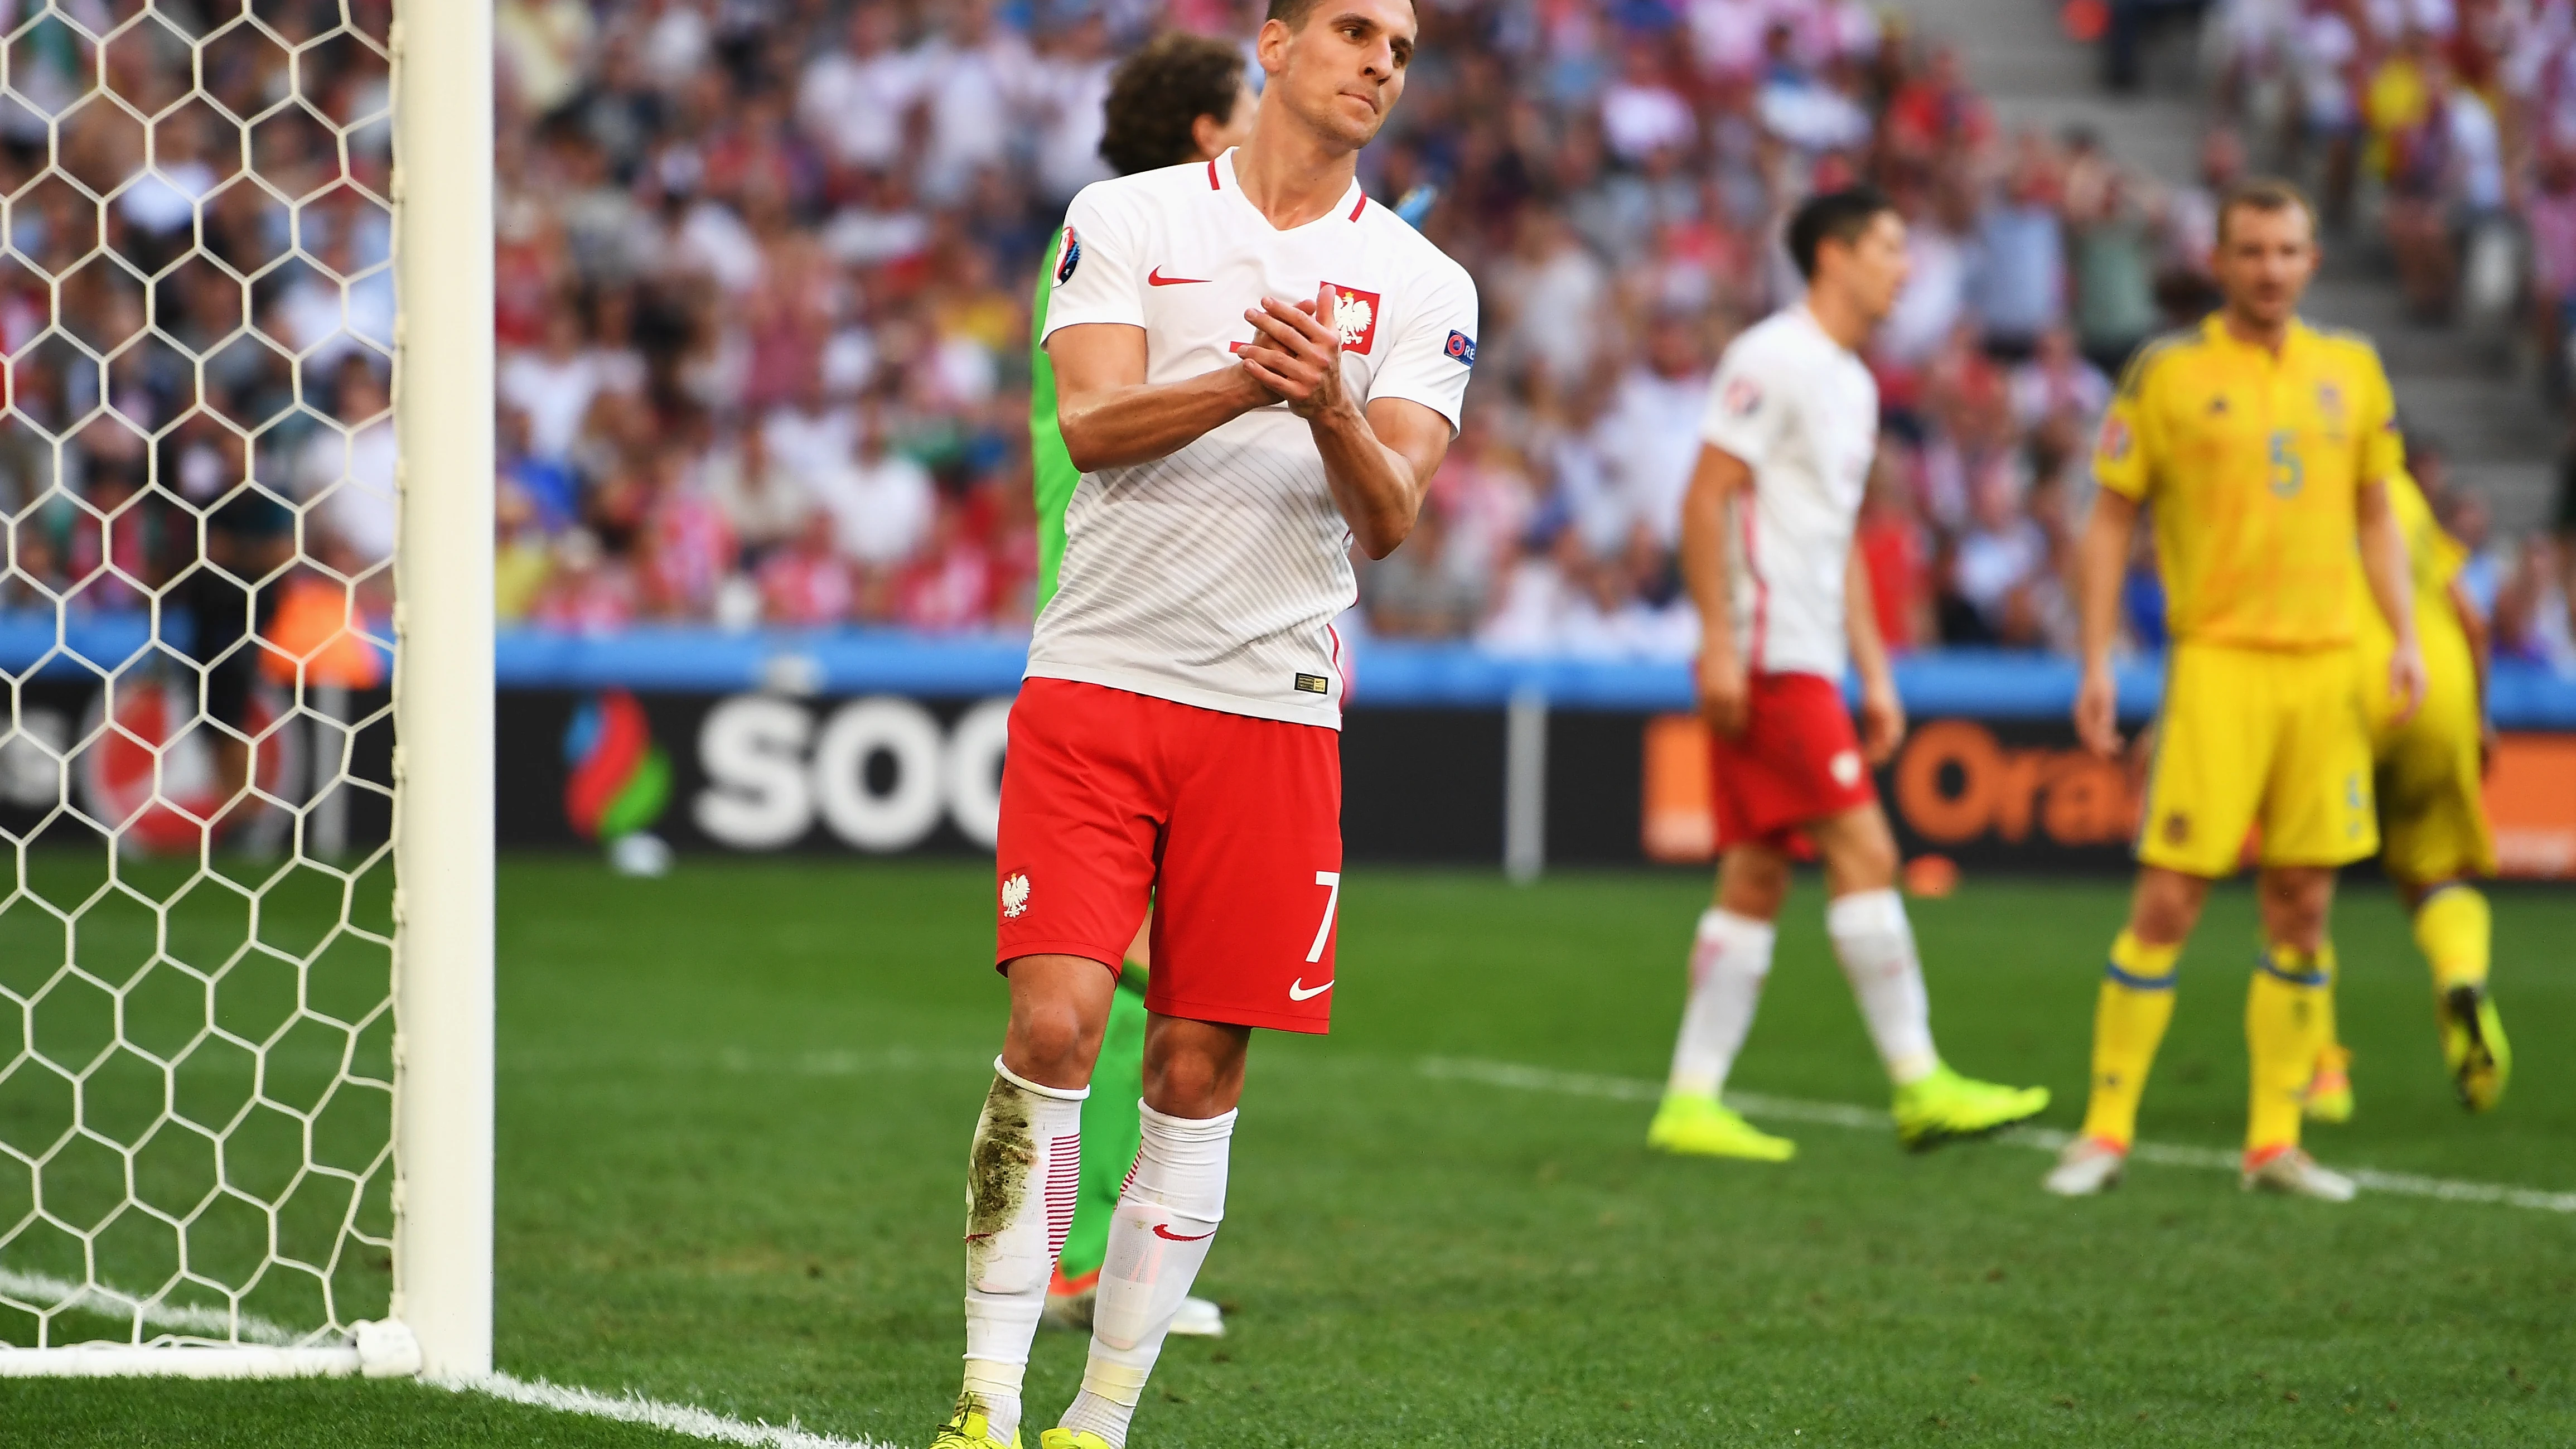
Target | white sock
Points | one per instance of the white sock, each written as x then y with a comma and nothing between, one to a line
1159,1236
1729,961
1021,1178
1877,951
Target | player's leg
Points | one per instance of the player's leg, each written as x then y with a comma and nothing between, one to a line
1244,926
1022,1170
2317,816
1730,959
1166,1219
2211,751
2286,1008
2454,927
1074,868
2131,1010
2437,845
1874,941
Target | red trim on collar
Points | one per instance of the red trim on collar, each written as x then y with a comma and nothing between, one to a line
1212,184
1360,207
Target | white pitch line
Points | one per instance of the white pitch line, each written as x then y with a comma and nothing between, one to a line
633,1408
1842,1114
52,1294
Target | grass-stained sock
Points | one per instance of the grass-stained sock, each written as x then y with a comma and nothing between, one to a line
2286,1020
2129,1018
1019,1202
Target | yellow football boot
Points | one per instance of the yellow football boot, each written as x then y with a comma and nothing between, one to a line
2329,1094
1705,1127
1946,1107
1062,1438
969,1429
2473,1045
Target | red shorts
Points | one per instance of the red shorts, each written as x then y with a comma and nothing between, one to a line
1797,760
1230,827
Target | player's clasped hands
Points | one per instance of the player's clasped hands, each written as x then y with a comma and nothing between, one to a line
1298,354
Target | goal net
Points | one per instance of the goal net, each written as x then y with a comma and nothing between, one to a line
206,1002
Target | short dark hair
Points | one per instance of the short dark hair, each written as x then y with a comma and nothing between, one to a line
1833,215
1158,94
2263,193
1293,13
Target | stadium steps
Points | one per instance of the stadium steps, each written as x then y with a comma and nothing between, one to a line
2465,389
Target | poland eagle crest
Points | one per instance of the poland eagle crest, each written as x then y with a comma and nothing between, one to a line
1015,895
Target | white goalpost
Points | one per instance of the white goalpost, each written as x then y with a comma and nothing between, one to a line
246,743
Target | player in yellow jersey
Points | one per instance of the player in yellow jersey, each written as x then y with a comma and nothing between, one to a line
2263,448
2434,840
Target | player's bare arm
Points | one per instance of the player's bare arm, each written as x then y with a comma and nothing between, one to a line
1378,462
1882,713
2101,558
1720,482
2384,564
1112,418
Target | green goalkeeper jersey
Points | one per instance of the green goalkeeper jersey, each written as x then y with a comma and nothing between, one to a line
1052,465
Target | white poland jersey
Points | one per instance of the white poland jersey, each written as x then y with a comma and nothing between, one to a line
1802,411
1211,576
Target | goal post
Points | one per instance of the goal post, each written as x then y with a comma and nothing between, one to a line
443,766
246,713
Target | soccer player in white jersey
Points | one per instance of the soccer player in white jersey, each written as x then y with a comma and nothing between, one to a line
1257,365
1784,604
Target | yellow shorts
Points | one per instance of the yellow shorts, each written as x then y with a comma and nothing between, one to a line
2432,801
2247,737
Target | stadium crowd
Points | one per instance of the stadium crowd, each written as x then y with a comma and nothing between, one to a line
764,271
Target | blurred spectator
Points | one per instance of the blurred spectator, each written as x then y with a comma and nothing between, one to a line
763,275
853,97
1652,433
1416,592
346,473
2020,289
882,504
2532,613
1890,540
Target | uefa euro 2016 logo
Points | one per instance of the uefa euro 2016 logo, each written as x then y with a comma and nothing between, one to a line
619,781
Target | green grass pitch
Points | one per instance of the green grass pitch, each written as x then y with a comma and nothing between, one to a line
733,1117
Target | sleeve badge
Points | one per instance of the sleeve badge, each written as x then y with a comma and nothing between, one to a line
2114,444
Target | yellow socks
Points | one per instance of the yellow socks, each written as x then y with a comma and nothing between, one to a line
2129,1019
2454,928
2288,1013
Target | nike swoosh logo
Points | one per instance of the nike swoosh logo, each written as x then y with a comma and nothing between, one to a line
1155,278
1167,1235
1298,990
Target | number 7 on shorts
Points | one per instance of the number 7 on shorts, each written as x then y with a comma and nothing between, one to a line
1324,932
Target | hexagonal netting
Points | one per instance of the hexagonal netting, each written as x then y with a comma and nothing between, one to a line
197,488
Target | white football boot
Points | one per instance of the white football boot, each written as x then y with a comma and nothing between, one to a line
2297,1174
2085,1167
1198,1318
